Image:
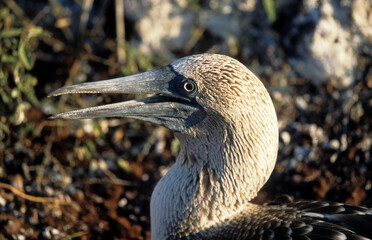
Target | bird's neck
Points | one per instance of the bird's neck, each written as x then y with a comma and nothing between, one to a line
214,177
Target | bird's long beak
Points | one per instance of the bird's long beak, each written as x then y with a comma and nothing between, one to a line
167,107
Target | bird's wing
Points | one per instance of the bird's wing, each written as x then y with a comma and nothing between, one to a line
299,220
354,218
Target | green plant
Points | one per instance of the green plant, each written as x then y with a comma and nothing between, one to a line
270,9
17,93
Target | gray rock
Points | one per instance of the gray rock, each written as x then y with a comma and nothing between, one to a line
323,39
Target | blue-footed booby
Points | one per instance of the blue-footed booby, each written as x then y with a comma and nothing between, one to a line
226,123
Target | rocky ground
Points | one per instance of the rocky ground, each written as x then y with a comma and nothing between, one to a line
93,179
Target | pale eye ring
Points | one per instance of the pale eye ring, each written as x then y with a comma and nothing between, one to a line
189,86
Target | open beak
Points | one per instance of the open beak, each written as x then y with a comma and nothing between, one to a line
167,107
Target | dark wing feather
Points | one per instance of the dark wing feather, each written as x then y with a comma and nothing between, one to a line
357,223
297,221
354,218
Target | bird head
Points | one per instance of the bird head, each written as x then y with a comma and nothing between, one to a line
186,93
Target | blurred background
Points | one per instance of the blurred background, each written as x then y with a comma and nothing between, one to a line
92,179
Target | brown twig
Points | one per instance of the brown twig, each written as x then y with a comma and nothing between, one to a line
120,31
17,11
194,39
87,7
30,197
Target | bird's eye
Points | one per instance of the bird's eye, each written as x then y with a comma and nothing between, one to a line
189,86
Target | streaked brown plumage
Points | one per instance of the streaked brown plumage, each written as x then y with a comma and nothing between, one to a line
226,123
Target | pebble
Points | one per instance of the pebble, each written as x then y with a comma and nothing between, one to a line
51,233
145,177
286,137
20,237
2,201
365,144
122,202
301,103
317,134
88,125
102,164
93,166
55,232
333,158
130,195
49,190
368,185
334,144
344,143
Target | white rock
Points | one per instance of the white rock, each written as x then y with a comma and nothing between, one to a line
2,201
286,137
